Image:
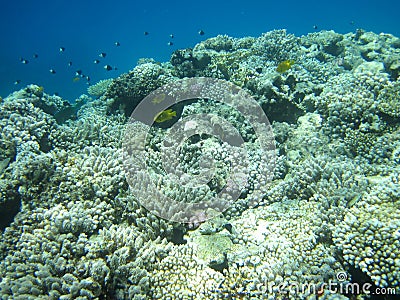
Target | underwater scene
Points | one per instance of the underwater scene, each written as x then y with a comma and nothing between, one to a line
200,150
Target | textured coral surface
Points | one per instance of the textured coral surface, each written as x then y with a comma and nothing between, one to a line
330,213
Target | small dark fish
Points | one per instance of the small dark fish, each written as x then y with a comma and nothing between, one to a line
171,36
18,81
96,61
87,78
170,43
24,61
315,27
351,22
146,33
117,44
70,64
108,67
78,73
52,71
35,55
62,49
201,32
102,54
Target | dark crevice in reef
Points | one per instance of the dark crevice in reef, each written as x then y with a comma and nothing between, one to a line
127,104
389,119
282,112
177,236
220,267
324,236
8,210
360,279
44,144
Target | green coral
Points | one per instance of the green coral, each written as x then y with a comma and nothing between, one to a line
388,101
213,249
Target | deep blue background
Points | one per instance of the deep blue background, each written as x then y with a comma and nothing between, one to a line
86,28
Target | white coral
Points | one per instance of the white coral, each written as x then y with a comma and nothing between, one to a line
100,87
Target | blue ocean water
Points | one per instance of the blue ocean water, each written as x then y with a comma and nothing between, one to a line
87,28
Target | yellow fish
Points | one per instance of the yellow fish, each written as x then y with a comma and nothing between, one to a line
284,66
75,79
165,115
158,99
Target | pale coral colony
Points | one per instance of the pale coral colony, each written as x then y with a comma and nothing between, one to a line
72,230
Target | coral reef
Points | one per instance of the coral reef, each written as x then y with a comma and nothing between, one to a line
126,91
71,228
369,235
100,87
